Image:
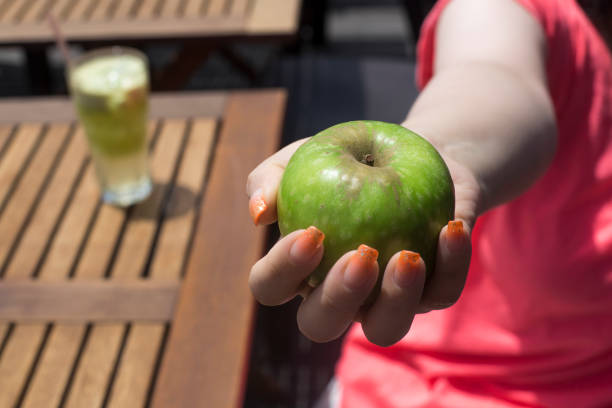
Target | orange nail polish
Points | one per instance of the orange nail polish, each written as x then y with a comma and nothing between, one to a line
455,228
307,244
358,273
257,206
366,254
405,268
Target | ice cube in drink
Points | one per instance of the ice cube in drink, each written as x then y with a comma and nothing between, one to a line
110,90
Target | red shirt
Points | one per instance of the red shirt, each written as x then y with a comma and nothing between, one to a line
533,327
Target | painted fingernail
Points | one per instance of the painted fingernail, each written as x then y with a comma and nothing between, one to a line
359,272
455,234
406,268
257,206
307,244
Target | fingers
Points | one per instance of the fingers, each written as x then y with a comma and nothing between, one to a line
328,311
390,317
263,182
276,278
445,284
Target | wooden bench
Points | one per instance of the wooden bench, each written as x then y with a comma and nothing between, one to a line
199,26
149,306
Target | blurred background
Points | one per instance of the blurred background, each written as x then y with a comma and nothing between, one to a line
351,59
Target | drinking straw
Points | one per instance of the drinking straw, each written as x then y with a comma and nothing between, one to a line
60,40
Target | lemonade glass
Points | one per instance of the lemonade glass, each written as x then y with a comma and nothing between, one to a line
110,89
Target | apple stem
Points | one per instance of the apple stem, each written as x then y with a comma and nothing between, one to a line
368,159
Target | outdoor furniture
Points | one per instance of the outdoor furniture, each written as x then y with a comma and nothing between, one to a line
199,26
146,306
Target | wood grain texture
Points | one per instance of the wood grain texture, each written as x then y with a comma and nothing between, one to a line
36,10
82,301
142,346
274,16
13,160
54,366
17,360
24,197
101,10
92,263
40,229
210,337
91,378
170,8
60,109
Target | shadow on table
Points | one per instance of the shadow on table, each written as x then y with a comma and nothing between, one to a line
177,200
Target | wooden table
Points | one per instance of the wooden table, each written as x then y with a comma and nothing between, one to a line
149,306
199,26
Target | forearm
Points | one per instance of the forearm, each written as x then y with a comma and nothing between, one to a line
492,121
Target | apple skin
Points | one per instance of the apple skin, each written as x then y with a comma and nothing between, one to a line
367,182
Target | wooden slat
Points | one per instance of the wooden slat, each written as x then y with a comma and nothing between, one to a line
142,347
30,249
88,301
146,9
60,109
193,8
11,12
101,10
239,7
46,387
79,10
49,379
137,366
209,341
38,233
16,361
72,231
124,8
5,135
130,262
216,8
23,197
36,11
170,8
274,16
61,8
12,161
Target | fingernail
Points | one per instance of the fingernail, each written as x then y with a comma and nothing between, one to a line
307,244
406,268
455,234
257,206
358,275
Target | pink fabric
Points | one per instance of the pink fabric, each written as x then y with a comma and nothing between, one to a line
533,327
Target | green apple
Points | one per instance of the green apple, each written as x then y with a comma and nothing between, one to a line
367,182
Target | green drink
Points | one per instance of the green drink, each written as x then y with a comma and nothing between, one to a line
110,89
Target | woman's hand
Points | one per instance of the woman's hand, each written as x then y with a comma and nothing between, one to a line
328,310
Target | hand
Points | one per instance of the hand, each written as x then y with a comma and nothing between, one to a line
328,310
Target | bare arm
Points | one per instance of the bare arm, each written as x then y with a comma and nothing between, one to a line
487,105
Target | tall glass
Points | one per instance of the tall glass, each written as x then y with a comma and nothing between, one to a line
110,89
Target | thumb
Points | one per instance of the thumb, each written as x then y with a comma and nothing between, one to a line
263,182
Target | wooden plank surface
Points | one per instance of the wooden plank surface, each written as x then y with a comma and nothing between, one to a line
49,379
164,105
93,373
77,301
211,352
14,158
142,345
40,229
274,16
64,230
22,200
